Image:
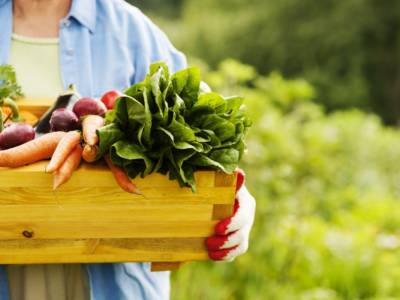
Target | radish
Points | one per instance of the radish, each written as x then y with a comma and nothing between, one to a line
65,100
63,120
16,134
110,98
89,106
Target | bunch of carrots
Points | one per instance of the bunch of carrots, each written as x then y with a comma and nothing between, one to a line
66,150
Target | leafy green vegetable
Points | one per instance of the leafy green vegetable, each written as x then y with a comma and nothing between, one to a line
9,87
166,124
9,91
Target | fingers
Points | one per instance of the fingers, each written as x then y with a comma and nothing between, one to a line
243,216
232,234
219,254
229,254
222,226
219,242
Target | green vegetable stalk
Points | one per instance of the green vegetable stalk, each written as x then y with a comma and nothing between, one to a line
1,121
14,108
166,124
9,91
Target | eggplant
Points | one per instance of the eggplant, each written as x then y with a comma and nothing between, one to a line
65,100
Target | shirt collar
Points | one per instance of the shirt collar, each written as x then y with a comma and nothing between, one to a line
84,11
3,2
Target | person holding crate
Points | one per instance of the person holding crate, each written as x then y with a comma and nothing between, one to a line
98,45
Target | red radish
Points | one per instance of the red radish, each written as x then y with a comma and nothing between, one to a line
63,120
110,98
89,106
16,134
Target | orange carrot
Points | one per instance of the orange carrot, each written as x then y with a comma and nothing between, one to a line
72,162
64,148
89,126
32,151
90,153
122,179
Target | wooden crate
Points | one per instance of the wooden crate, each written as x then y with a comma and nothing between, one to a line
90,219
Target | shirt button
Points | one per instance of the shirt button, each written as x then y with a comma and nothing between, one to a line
70,52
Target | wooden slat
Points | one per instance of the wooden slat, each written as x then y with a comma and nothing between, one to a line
106,250
222,211
100,175
36,106
165,266
105,213
222,179
103,195
100,229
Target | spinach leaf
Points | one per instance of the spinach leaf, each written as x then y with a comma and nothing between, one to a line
165,124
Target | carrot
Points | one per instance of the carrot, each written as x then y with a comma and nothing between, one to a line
90,124
90,153
32,151
122,179
64,147
72,162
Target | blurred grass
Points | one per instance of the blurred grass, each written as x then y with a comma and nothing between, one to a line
327,185
347,49
327,190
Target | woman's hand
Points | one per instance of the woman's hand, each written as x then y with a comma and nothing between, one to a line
231,237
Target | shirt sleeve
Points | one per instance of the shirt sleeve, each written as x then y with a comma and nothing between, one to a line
153,45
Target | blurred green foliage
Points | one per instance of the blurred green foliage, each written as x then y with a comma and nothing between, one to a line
327,190
347,49
326,180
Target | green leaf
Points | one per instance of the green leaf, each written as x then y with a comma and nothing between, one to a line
212,100
155,83
108,135
222,128
155,67
131,153
136,90
164,125
187,84
233,104
9,87
177,159
145,136
181,131
225,160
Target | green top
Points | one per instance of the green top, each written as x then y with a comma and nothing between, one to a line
37,65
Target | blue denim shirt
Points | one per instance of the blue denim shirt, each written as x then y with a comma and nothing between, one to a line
106,44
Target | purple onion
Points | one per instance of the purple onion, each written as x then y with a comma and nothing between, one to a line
89,106
63,120
16,134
